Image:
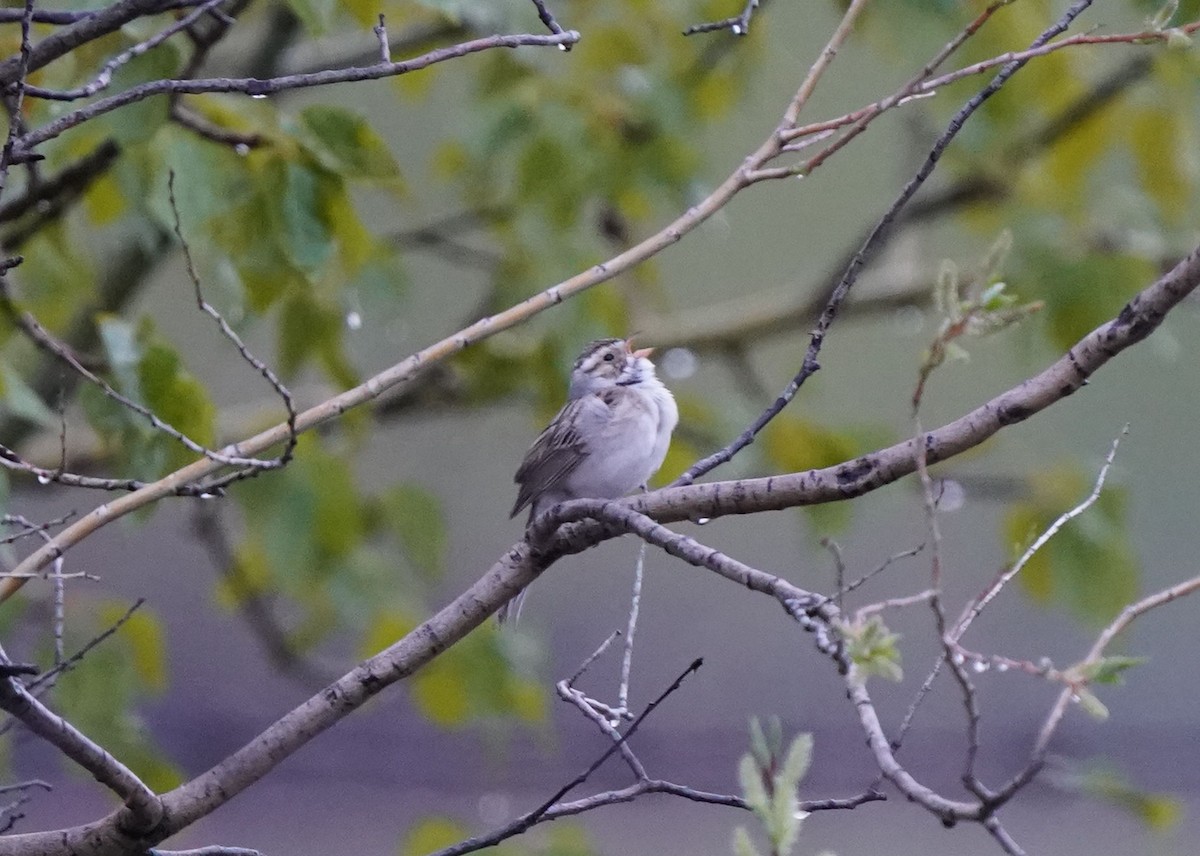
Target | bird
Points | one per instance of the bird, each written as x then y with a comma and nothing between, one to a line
609,438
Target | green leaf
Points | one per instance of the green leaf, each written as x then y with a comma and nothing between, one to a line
100,698
316,15
1109,670
476,681
143,633
1091,705
138,122
303,233
1089,565
210,182
544,174
123,352
760,749
742,845
20,400
751,782
179,399
568,840
799,758
384,630
792,444
795,445
342,142
1160,812
872,648
56,277
441,694
1083,292
416,516
306,329
1160,141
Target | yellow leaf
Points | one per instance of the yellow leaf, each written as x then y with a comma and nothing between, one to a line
795,445
253,575
714,95
104,201
1021,526
1159,139
146,646
1061,182
430,834
440,693
384,631
450,160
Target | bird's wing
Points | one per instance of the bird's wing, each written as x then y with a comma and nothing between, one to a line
561,448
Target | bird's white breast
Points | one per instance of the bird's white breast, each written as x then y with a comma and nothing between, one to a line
630,445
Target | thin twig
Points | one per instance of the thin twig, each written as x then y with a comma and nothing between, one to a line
863,613
547,18
62,17
211,850
66,665
810,366
1054,718
635,603
604,722
879,569
30,528
739,25
980,603
262,88
144,807
381,33
104,79
258,365
41,337
544,811
537,813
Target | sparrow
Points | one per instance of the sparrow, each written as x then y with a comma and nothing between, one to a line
609,438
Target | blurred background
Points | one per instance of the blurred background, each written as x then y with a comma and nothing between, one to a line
341,229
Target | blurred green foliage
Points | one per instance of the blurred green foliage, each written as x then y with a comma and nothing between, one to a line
1102,781
100,695
1088,565
872,648
563,159
770,777
563,838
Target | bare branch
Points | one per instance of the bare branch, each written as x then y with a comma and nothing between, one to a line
66,186
200,126
810,365
104,78
980,603
547,18
381,33
739,25
60,17
41,337
255,87
144,808
87,29
541,813
1128,615
211,850
255,363
29,527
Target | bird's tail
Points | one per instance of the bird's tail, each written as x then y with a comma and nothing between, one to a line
511,611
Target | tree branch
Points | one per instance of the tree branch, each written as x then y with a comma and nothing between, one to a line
261,88
142,809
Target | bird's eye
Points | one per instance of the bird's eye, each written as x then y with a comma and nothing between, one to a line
609,357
